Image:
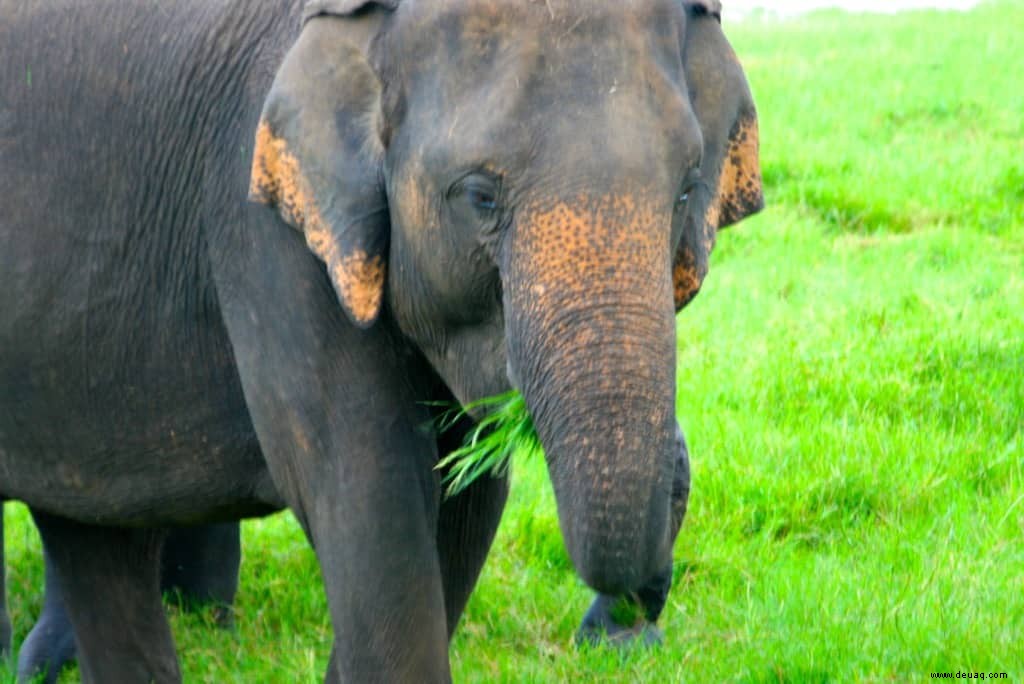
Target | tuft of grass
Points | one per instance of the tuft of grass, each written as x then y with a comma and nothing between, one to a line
505,429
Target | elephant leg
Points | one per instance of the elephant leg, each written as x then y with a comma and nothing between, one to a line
631,619
110,580
200,567
51,643
339,421
465,530
368,516
370,511
5,620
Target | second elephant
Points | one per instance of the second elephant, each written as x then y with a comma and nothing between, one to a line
199,567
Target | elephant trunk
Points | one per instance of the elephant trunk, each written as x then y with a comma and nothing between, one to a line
591,332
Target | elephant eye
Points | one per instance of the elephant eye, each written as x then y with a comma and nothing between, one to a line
480,192
482,198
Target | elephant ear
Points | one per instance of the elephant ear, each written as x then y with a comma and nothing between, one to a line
730,170
318,154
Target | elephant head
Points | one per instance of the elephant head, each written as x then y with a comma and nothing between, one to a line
530,190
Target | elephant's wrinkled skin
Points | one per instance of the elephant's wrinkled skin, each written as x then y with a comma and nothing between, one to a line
199,566
446,199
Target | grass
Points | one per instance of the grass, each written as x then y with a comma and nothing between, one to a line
505,429
851,382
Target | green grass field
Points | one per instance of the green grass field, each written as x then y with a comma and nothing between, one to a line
851,382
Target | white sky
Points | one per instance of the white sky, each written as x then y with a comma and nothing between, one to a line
737,8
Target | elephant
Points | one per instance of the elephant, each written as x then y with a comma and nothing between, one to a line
199,566
279,234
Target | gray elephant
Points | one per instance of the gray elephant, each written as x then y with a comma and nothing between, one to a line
273,235
199,567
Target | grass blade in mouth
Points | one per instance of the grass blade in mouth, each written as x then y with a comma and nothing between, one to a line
505,429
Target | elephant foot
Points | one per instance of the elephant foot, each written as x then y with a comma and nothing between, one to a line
620,621
224,617
47,649
222,614
199,568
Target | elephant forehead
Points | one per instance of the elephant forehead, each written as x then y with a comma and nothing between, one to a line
555,13
475,33
506,85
